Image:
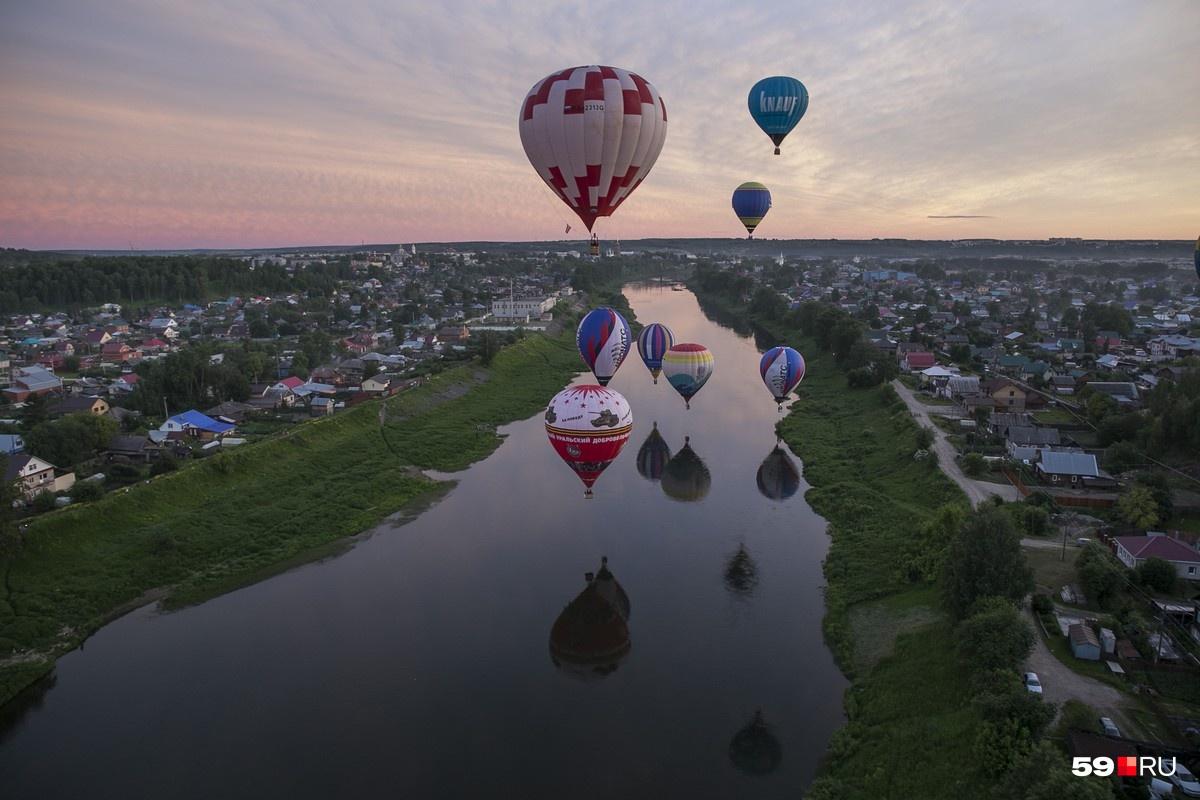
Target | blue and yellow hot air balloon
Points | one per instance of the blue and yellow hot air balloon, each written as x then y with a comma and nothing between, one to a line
777,104
751,202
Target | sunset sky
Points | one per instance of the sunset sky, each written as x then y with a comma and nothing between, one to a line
194,123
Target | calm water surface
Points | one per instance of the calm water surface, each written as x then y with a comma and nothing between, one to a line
419,663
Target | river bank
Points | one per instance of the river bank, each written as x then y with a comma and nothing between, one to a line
911,727
237,517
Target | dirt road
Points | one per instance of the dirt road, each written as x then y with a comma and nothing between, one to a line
976,491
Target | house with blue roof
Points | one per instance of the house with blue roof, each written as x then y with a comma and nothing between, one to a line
195,425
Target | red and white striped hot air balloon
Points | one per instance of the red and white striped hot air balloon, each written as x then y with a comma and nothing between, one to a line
593,133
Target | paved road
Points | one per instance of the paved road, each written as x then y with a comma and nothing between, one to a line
976,491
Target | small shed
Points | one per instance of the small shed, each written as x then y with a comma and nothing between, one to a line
1108,641
1084,642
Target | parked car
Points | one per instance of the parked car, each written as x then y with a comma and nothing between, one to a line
1110,727
1032,683
1186,781
1161,789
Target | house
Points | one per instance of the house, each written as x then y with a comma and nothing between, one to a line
126,382
79,404
30,382
34,476
1062,384
1134,550
131,449
960,386
1084,642
1024,443
1008,395
1124,392
97,339
377,384
1075,468
11,444
196,425
321,407
117,352
917,361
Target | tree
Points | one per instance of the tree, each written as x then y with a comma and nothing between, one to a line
1138,508
984,560
1044,773
925,438
974,464
72,439
1100,574
489,346
1121,457
10,534
1158,574
995,636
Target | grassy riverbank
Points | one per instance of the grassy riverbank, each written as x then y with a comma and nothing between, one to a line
223,522
911,726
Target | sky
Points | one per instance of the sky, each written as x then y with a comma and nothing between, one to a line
245,123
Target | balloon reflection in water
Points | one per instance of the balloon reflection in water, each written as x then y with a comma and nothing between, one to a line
590,638
653,455
778,476
741,574
754,749
685,477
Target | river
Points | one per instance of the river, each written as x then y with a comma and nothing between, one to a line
419,663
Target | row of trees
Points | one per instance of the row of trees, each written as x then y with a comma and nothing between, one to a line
71,283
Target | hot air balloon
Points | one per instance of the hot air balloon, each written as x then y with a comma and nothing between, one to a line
777,104
778,478
593,133
687,367
653,343
741,574
751,202
590,638
653,455
781,368
603,339
588,425
1196,256
686,476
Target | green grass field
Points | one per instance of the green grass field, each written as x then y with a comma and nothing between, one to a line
227,520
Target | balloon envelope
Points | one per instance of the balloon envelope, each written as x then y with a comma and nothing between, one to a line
653,343
751,202
688,367
603,340
777,104
593,133
590,638
782,369
588,426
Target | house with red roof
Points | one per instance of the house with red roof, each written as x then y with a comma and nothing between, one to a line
154,345
1134,550
117,351
290,383
917,361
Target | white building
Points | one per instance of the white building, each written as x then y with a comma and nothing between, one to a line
521,308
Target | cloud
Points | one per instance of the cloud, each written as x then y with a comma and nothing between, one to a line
181,124
959,216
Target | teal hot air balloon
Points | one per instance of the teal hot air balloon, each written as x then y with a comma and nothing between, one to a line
777,104
751,202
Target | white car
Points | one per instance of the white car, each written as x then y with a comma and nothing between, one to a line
1186,781
1032,683
1110,727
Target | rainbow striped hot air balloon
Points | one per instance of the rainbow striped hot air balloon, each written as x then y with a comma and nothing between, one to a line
751,202
603,339
653,343
687,367
781,368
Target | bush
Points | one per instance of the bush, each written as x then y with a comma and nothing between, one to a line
995,637
120,474
44,501
167,462
85,491
864,378
984,560
1042,604
1157,574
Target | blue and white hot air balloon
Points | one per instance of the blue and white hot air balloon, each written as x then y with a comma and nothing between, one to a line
603,339
781,368
777,104
653,343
